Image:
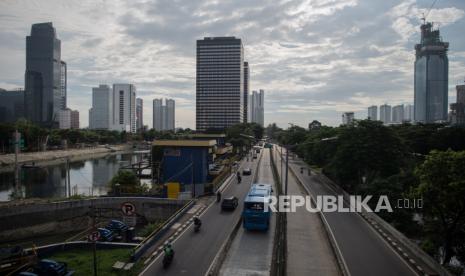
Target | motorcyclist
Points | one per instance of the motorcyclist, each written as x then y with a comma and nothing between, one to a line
197,221
168,250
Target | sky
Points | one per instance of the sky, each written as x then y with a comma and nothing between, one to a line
315,59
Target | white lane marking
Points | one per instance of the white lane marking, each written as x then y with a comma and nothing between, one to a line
176,225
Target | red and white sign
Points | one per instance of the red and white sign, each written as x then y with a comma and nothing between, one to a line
128,209
94,236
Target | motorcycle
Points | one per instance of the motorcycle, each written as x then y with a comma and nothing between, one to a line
167,259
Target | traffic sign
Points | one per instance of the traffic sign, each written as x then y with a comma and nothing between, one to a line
128,209
94,236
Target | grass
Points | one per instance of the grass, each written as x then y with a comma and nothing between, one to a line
81,261
149,228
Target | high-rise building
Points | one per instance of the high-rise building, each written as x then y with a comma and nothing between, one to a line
11,105
246,90
43,75
398,114
431,76
63,84
458,108
373,113
124,107
385,113
408,113
74,119
219,83
101,113
64,118
347,118
163,115
257,107
139,114
169,115
158,114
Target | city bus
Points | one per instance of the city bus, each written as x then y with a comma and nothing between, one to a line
254,216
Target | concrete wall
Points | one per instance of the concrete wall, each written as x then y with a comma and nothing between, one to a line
25,221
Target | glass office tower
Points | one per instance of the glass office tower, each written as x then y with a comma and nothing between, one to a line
43,92
431,77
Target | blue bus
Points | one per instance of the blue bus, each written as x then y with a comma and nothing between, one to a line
254,216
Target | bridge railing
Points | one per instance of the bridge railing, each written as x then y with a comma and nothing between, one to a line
150,240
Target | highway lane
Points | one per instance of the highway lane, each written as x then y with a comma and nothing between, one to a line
251,252
194,252
364,251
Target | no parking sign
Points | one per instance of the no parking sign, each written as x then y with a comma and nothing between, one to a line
128,209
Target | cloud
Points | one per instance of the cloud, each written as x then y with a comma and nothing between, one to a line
314,59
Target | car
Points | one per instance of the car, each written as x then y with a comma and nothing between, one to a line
117,226
50,267
229,203
246,171
106,234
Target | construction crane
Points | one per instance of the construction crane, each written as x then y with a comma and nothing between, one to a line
428,11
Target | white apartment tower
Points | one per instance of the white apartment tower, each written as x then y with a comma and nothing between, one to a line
163,115
101,113
124,108
347,118
408,113
398,114
257,107
385,113
373,113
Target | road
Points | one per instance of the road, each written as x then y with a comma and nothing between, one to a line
196,251
251,252
306,236
365,252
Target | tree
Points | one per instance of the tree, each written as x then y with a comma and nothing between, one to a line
442,187
272,131
128,182
366,148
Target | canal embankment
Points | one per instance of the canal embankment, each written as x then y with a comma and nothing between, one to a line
7,161
30,221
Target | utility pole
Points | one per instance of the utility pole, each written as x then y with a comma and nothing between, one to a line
68,178
94,246
281,161
287,170
16,143
192,177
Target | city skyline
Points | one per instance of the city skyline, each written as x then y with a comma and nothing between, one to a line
291,62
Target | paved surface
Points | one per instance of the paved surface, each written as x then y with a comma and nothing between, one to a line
194,252
251,252
364,251
308,249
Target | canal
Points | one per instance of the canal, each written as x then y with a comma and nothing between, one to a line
87,177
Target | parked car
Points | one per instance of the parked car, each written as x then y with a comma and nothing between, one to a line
229,203
50,268
106,234
117,226
246,171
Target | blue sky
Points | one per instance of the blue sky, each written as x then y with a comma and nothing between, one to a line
314,58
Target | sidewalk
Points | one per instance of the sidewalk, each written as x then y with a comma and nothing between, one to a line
308,249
